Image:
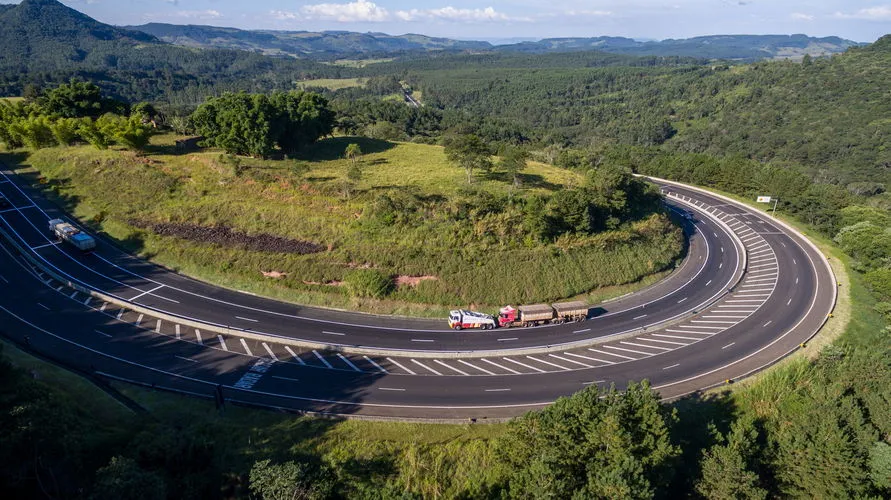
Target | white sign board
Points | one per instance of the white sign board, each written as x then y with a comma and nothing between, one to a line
764,199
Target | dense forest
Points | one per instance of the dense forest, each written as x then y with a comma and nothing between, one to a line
814,133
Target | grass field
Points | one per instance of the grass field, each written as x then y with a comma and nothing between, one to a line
310,199
12,99
360,63
332,83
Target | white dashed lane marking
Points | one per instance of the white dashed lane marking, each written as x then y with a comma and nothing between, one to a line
539,370
320,358
269,351
612,354
348,362
511,370
422,365
567,360
391,360
379,367
246,348
451,368
465,363
555,365
294,355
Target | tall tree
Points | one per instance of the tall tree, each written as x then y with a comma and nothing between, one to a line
469,152
253,124
123,479
591,445
513,162
729,467
289,481
352,153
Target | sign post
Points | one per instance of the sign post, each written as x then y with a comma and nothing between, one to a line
768,199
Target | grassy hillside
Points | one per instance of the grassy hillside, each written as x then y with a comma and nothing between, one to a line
302,230
332,83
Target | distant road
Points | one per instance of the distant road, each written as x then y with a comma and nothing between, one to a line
410,100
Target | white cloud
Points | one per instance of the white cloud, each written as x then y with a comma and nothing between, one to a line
450,13
878,13
798,16
283,15
197,14
591,13
367,11
358,11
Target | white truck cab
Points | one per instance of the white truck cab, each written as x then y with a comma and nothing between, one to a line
460,319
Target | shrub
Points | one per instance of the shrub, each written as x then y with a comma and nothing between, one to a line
368,283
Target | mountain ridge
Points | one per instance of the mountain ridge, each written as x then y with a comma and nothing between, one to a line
313,44
346,44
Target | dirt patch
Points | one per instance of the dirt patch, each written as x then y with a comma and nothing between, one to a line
227,237
274,274
403,280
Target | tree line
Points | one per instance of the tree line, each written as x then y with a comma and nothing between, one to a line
239,123
75,112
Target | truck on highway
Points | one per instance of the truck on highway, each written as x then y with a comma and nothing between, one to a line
65,231
531,315
460,319
542,314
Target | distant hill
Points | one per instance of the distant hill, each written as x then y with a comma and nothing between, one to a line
343,44
47,35
43,42
321,45
734,47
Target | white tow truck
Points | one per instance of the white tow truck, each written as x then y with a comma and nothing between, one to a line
460,319
67,232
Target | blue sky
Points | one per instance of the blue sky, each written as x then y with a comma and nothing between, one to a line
860,20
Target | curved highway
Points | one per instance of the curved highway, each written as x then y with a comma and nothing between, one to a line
749,292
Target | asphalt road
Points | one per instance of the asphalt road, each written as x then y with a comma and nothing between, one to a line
784,296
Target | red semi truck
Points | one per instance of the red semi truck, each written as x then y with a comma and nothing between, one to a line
531,315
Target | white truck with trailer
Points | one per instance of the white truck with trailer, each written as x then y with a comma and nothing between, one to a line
65,231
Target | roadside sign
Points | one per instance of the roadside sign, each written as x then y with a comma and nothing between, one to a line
764,199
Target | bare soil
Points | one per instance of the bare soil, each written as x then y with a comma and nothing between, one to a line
227,237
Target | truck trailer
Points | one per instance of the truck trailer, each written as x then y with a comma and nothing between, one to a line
65,231
542,314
